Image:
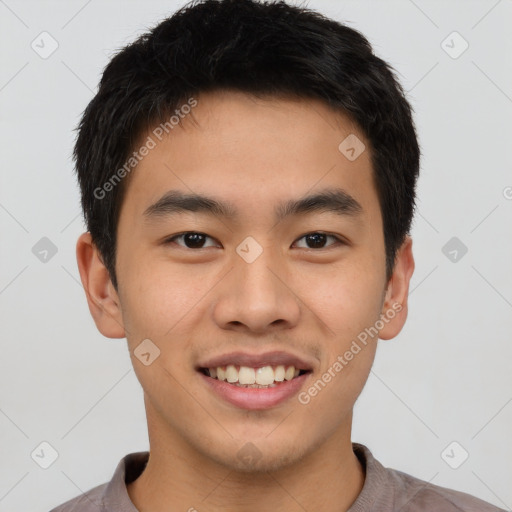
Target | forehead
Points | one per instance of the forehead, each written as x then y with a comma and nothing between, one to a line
252,151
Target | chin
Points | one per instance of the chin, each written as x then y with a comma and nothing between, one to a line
260,456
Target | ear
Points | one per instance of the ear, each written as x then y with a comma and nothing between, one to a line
103,300
394,309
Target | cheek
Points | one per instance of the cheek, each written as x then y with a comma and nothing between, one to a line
350,308
158,303
347,297
157,296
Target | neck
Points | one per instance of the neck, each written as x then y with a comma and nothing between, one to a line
329,478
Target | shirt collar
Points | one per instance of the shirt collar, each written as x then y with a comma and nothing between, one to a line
116,497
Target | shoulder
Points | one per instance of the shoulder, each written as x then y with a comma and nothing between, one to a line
387,489
415,495
111,495
91,501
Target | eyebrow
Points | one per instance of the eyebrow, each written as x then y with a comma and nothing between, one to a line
334,200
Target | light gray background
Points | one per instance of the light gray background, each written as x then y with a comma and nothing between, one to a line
446,377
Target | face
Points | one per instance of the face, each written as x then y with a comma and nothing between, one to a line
260,280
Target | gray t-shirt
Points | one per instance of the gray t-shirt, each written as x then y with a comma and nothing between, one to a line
384,490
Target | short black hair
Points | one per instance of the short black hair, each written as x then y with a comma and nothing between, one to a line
263,48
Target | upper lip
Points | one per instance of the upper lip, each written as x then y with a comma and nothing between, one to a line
274,358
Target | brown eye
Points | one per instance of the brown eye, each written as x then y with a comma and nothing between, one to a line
191,240
318,240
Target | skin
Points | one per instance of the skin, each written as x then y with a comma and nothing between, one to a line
196,303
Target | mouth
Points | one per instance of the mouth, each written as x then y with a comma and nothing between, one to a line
263,377
255,381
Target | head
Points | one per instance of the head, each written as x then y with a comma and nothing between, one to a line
260,108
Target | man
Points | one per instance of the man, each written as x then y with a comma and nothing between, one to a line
248,176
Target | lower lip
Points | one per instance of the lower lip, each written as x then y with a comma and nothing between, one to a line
256,398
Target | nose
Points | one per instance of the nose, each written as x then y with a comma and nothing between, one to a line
257,296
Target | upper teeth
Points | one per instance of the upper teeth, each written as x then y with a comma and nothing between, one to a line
245,375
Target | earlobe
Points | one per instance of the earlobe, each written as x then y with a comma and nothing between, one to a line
102,297
395,307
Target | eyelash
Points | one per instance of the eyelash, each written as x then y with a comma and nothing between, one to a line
180,235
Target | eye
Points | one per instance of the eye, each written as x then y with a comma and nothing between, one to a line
317,239
191,239
196,240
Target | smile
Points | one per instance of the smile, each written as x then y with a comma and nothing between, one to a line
243,393
247,377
